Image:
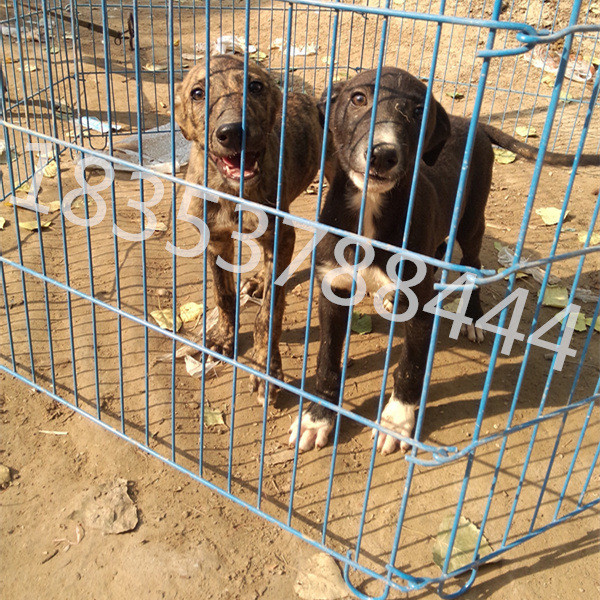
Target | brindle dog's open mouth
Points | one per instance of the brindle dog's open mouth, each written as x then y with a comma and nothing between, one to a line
231,167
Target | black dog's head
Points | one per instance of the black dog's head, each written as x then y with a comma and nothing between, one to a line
225,115
399,117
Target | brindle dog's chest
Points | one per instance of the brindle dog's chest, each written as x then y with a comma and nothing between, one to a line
223,219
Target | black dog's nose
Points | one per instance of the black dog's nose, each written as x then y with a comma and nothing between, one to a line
384,157
230,135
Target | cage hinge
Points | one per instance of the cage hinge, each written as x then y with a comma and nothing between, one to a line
530,37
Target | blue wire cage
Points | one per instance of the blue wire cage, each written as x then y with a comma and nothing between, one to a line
93,295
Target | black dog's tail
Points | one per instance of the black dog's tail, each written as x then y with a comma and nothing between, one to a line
504,140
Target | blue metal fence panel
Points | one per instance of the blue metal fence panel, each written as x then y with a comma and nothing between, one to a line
98,254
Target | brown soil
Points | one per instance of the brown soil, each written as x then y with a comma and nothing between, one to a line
190,541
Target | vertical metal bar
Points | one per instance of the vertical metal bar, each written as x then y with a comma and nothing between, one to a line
382,48
171,67
13,186
204,257
333,50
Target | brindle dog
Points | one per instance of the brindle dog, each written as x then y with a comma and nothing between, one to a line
390,178
261,143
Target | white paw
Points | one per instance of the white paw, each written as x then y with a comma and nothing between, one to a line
388,303
474,334
313,434
399,417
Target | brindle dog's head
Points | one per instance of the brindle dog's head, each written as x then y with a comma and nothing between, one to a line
398,121
225,114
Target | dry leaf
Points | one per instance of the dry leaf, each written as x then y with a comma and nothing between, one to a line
213,417
188,56
580,324
550,215
549,80
588,323
556,296
190,311
455,95
154,68
160,226
526,131
2,222
27,68
33,226
361,324
504,157
54,206
50,170
566,97
464,545
258,56
79,533
594,240
164,318
452,306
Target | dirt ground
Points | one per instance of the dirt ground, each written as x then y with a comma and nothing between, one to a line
191,541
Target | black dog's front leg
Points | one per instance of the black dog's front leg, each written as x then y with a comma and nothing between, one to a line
317,421
399,412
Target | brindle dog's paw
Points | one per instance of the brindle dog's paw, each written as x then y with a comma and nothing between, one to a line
258,384
221,341
254,286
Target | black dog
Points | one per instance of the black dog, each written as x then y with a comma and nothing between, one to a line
390,175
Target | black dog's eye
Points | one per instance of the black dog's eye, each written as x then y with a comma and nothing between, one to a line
197,94
358,99
418,112
256,87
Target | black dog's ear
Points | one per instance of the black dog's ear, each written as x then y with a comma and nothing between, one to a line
336,90
438,124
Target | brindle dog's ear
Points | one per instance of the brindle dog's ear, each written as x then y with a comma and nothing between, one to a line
336,90
439,126
180,112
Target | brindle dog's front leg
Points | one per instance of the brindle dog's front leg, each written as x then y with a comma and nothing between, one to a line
266,319
221,340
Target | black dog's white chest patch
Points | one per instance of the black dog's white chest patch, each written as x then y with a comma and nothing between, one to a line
373,209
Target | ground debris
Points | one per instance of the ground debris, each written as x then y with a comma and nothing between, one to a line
107,508
320,579
5,476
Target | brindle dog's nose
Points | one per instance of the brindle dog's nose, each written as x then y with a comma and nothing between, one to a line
230,135
384,157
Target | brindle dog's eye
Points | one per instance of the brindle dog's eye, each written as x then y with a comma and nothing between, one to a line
256,87
359,99
418,112
197,94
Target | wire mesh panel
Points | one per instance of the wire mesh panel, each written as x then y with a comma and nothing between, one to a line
108,300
